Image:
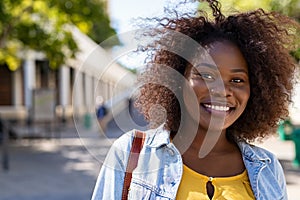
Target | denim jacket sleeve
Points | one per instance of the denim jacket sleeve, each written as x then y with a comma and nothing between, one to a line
281,177
272,183
265,173
111,177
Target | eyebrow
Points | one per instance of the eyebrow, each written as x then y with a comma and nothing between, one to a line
236,70
239,70
206,65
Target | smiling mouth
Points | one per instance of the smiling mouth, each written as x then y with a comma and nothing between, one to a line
217,108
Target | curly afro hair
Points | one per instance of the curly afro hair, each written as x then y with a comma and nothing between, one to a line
264,38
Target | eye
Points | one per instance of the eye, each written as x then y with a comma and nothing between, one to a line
237,80
207,76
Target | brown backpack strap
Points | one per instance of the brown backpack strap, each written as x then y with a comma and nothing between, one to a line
133,158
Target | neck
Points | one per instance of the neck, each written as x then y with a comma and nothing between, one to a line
201,142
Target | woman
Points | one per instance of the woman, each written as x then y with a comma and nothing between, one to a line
236,87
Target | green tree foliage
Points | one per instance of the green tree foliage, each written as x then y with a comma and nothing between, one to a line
232,6
43,26
287,7
290,8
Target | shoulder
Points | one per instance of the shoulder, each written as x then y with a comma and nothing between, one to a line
120,149
262,152
255,153
118,152
124,140
265,171
153,138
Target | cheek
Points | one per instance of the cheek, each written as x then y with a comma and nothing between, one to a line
243,95
190,99
199,87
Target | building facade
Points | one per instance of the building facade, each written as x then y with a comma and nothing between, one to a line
75,85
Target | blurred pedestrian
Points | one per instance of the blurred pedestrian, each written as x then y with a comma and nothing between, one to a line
101,110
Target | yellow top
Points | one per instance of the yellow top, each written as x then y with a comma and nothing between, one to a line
193,186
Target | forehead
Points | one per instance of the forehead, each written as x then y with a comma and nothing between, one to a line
224,54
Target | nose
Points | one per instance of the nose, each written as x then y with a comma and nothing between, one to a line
220,90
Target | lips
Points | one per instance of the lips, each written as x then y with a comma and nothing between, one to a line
217,107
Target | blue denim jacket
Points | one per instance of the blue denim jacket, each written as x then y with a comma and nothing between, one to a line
159,170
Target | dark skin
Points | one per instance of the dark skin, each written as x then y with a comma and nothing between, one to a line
231,90
224,160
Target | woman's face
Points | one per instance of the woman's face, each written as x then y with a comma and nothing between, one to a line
222,87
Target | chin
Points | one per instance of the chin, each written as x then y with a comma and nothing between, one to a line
215,125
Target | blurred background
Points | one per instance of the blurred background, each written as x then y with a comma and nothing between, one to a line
64,98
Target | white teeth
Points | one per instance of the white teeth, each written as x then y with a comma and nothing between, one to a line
218,108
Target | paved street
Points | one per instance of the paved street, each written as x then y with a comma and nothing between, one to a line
66,168
54,169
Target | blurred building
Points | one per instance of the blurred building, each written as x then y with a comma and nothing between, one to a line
74,86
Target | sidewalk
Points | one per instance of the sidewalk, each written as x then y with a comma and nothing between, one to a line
67,168
54,169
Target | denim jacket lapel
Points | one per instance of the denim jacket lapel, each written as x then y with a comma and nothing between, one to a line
263,172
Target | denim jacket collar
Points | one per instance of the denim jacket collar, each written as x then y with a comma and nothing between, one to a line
254,163
261,163
157,137
252,155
